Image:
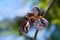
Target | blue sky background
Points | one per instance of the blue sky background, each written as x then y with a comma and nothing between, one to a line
13,8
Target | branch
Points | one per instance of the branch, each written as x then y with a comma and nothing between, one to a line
52,1
35,35
50,5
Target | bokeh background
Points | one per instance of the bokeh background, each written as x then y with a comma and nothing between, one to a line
12,13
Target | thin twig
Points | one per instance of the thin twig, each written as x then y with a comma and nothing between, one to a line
50,5
35,34
52,1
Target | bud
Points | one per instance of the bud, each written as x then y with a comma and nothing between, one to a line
40,23
24,27
37,24
44,22
27,27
